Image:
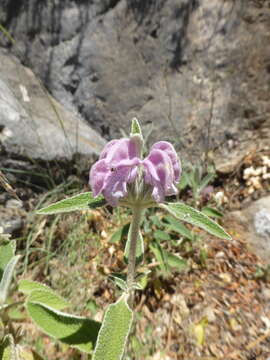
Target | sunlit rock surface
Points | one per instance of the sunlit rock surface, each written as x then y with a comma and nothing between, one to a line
33,124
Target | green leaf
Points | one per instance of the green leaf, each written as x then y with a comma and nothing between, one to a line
156,221
142,279
92,306
184,181
205,181
203,257
5,350
212,212
119,281
178,227
160,256
7,277
8,349
175,261
84,201
118,235
196,176
42,293
114,331
27,286
135,127
48,298
161,235
78,332
139,248
7,251
15,313
195,217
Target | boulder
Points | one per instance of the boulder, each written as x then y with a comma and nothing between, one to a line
195,71
253,223
33,124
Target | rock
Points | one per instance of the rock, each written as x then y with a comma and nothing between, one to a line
209,313
11,220
255,223
262,222
33,124
14,204
184,66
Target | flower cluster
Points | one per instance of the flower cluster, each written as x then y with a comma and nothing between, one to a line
120,163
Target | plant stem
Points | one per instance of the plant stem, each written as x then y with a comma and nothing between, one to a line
134,233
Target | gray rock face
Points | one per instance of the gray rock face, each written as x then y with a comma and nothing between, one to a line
262,222
33,124
185,66
255,220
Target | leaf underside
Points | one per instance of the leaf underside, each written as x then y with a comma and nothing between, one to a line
7,278
78,332
114,332
7,251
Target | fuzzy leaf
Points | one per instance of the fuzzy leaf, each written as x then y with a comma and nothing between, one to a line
84,201
7,251
156,221
114,332
135,127
205,181
184,181
186,213
142,279
160,256
78,332
117,279
8,349
175,261
178,227
118,235
7,277
5,350
161,235
212,212
49,298
27,286
139,248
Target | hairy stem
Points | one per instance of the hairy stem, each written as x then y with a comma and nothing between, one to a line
134,233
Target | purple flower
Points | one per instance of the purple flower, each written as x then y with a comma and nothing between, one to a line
118,166
162,170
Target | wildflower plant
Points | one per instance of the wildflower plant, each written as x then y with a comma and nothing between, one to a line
121,177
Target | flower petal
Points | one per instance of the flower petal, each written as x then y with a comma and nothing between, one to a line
117,151
98,175
170,151
159,173
116,167
116,185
